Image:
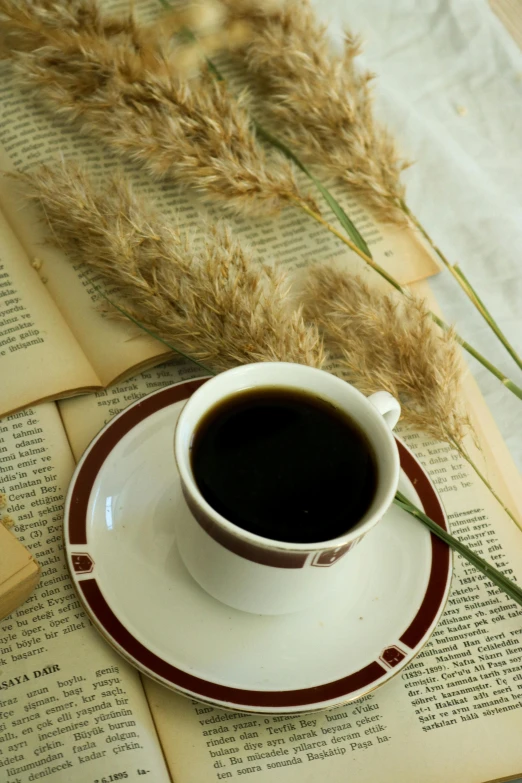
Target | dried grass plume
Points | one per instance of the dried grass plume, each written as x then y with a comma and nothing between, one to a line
321,103
7,521
212,300
390,342
122,82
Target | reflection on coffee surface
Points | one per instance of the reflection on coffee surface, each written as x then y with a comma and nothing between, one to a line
284,464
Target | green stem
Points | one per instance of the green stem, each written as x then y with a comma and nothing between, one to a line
485,313
368,259
507,382
492,573
354,240
484,480
334,205
465,285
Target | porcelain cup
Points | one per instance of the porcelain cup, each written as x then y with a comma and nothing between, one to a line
257,574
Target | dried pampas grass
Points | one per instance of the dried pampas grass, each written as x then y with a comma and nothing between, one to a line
213,301
7,521
221,308
120,81
205,26
390,342
161,47
321,104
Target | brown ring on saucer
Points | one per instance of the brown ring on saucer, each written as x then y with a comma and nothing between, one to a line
339,690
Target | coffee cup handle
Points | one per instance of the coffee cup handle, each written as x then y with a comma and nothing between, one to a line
387,406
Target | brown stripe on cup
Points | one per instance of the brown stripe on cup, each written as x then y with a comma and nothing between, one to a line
277,558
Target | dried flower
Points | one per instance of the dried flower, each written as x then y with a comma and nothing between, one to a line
7,521
120,81
200,30
159,47
251,9
322,104
3,500
212,301
390,342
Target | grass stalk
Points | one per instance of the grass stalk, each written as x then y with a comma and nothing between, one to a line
493,574
466,286
507,382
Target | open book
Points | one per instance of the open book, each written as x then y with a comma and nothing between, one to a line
54,341
72,709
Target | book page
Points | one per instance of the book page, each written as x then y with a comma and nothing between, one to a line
70,707
30,134
39,357
111,347
84,417
456,710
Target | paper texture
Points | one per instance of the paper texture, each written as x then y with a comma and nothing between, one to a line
466,187
464,690
33,335
70,707
449,87
510,14
461,693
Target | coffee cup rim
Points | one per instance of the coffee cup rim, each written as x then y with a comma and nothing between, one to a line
182,456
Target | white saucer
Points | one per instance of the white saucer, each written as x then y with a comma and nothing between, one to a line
123,558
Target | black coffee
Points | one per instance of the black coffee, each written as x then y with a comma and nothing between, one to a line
285,465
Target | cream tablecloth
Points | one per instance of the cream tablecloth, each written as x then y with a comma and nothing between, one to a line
450,87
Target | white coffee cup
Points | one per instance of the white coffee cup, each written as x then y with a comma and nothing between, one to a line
262,575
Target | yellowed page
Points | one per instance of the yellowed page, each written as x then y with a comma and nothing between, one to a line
493,459
39,356
70,708
455,713
111,347
84,416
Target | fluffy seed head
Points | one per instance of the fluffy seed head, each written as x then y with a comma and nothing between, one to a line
390,342
322,103
121,82
211,300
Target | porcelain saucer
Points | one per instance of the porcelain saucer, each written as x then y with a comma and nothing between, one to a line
123,559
